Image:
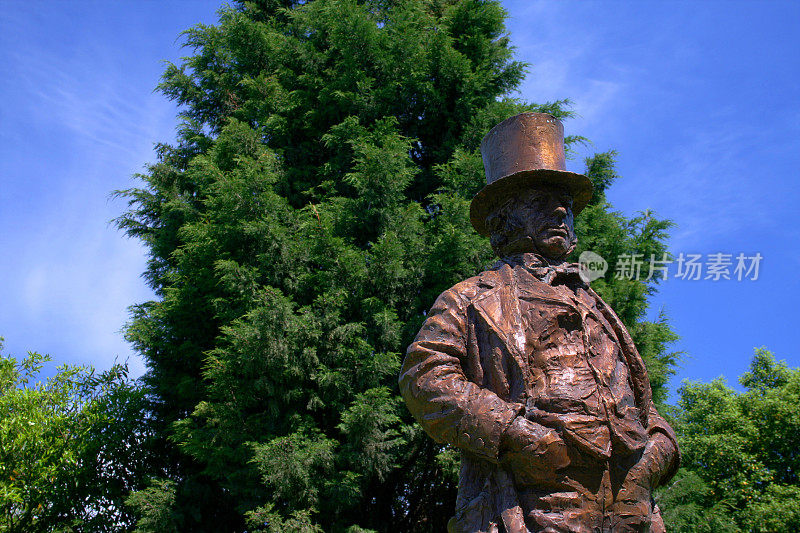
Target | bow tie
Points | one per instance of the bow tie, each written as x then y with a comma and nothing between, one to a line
541,269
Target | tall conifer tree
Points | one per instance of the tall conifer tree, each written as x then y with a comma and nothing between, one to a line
314,206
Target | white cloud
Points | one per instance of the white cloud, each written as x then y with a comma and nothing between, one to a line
597,100
563,63
73,274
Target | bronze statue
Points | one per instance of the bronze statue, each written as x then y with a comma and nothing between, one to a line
529,373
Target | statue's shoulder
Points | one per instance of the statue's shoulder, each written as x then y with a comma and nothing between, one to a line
476,286
598,300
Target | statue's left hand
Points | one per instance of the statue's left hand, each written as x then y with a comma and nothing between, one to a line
634,497
638,482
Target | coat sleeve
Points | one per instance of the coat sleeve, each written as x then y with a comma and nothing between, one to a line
451,408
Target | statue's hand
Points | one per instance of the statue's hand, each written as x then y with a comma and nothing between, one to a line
638,482
653,464
532,452
633,502
635,494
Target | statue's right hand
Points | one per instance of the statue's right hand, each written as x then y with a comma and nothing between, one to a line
532,452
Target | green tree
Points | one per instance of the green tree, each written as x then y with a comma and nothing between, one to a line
314,206
69,447
740,457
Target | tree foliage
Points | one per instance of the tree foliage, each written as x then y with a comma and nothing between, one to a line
314,205
740,456
69,447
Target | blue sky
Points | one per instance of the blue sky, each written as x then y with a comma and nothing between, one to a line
700,99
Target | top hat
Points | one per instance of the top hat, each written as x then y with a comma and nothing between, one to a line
521,153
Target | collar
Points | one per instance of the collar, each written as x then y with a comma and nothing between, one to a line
552,272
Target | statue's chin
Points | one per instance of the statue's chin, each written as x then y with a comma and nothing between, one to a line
552,248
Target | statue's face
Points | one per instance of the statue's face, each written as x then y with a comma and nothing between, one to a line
540,220
549,222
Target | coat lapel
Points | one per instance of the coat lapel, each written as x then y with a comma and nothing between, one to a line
637,368
500,333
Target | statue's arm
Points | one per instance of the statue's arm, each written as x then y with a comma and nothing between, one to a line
451,408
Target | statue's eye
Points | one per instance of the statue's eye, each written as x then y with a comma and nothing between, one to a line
536,201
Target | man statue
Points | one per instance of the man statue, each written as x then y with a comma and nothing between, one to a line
528,373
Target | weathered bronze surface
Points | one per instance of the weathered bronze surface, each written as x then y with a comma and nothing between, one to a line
529,373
